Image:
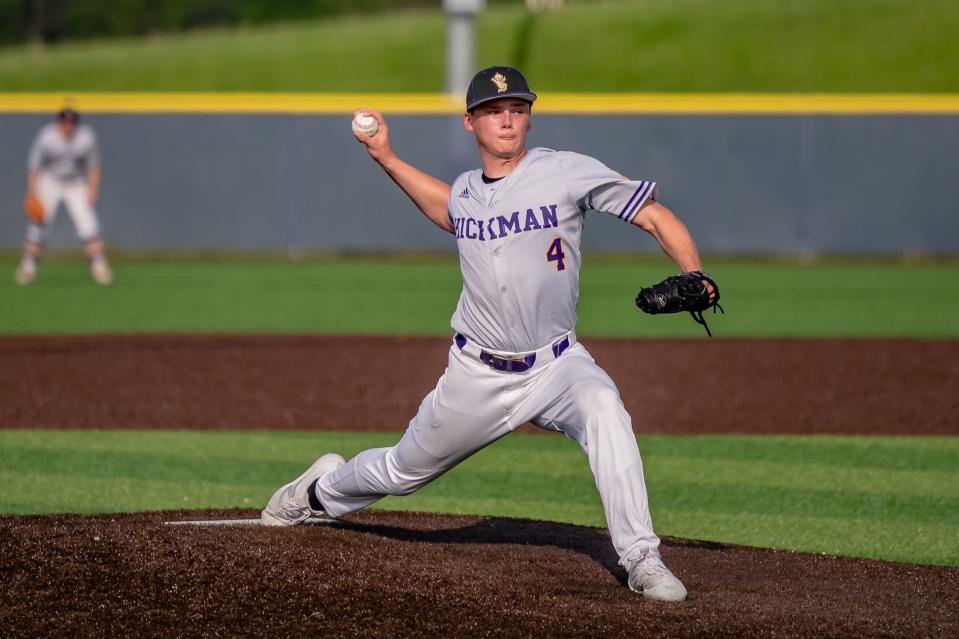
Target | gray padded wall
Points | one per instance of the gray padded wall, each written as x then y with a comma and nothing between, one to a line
757,184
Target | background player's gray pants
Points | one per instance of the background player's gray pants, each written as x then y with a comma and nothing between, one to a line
75,195
473,405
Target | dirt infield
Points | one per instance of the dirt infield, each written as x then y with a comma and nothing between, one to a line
392,574
903,387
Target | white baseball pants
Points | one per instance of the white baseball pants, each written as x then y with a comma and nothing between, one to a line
473,406
75,196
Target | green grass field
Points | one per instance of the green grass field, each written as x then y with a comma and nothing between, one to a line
890,498
384,296
645,45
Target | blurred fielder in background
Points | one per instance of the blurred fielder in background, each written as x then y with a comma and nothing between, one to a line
63,165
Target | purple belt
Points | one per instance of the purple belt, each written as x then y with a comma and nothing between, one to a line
517,364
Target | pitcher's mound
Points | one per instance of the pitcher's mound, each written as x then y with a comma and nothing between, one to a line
394,574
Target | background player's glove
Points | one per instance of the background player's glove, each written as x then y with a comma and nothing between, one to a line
678,293
33,208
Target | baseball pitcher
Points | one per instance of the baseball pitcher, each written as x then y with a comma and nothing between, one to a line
63,166
514,357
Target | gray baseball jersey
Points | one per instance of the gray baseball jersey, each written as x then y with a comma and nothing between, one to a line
64,159
519,244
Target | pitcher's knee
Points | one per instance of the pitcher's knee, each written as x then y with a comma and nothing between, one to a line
407,485
604,411
404,480
601,399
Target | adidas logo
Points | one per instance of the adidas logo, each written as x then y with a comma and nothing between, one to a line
465,193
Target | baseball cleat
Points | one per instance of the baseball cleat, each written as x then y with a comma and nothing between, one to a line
650,576
290,505
101,273
25,274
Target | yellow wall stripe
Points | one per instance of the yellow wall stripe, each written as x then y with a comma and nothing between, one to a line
429,103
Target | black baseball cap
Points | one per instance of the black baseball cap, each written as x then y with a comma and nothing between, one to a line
67,114
497,82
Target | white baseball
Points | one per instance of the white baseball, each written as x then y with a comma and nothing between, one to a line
365,124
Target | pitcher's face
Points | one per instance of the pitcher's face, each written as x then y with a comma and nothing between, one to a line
500,126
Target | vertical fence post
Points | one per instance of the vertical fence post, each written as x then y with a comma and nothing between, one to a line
460,42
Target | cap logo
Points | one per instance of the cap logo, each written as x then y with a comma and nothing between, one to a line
500,81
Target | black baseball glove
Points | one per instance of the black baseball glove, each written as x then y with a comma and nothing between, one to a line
678,293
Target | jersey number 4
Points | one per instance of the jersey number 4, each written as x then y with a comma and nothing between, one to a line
555,254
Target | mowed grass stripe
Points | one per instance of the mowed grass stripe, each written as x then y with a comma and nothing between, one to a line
500,480
888,540
349,296
811,451
131,465
72,493
538,477
828,502
806,475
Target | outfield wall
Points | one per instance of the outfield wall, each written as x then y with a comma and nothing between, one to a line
744,183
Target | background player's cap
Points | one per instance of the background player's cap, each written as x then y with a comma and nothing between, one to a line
497,82
68,114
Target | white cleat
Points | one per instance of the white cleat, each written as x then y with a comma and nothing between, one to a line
25,274
650,576
290,505
101,273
